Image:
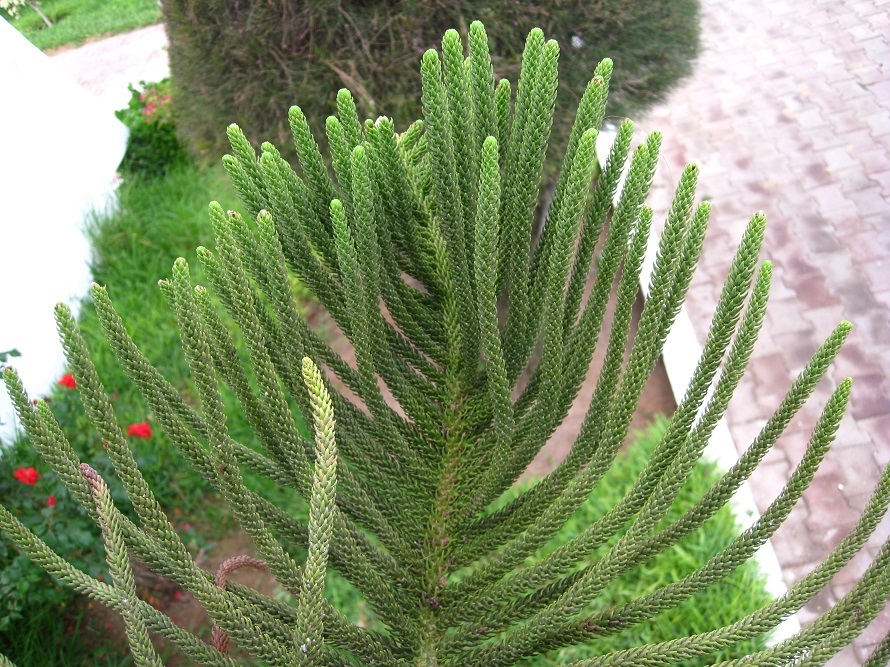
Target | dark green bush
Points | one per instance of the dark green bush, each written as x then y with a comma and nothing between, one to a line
153,146
248,61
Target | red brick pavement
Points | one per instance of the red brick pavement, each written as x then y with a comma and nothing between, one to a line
789,112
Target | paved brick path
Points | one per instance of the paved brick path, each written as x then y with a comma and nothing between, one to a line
789,112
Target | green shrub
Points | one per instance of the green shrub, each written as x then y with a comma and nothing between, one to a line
153,146
246,62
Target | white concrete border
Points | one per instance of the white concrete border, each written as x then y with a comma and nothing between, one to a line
59,151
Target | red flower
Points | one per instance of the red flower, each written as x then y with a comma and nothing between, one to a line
68,380
51,501
177,595
142,430
27,476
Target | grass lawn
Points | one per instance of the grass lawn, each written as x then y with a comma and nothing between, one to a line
75,21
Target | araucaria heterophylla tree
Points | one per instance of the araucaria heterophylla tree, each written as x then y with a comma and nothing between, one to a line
471,341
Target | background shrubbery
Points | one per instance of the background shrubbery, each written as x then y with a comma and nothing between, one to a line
248,61
153,147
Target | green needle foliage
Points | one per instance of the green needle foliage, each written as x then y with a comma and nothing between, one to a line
421,248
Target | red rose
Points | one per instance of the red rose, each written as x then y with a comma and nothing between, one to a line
51,501
27,476
142,430
68,380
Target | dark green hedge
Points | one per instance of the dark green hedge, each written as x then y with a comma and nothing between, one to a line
248,61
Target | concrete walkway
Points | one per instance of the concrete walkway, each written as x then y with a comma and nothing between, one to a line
105,68
789,112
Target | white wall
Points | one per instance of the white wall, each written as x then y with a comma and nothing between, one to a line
59,149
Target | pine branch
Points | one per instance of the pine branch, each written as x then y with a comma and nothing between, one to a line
118,559
472,341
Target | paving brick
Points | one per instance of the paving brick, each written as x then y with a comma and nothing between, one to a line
798,349
829,197
850,434
855,295
849,657
840,157
854,180
877,272
862,32
868,246
868,398
830,517
882,178
811,290
874,329
880,90
857,466
858,139
855,357
795,440
878,122
883,140
825,318
794,542
875,632
870,201
878,429
770,476
840,269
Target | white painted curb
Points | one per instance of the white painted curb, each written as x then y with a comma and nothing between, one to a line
60,149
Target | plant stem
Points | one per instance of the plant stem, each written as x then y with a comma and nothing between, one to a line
36,7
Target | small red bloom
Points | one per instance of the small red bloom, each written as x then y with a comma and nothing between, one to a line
51,501
68,380
27,476
177,595
186,526
142,430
